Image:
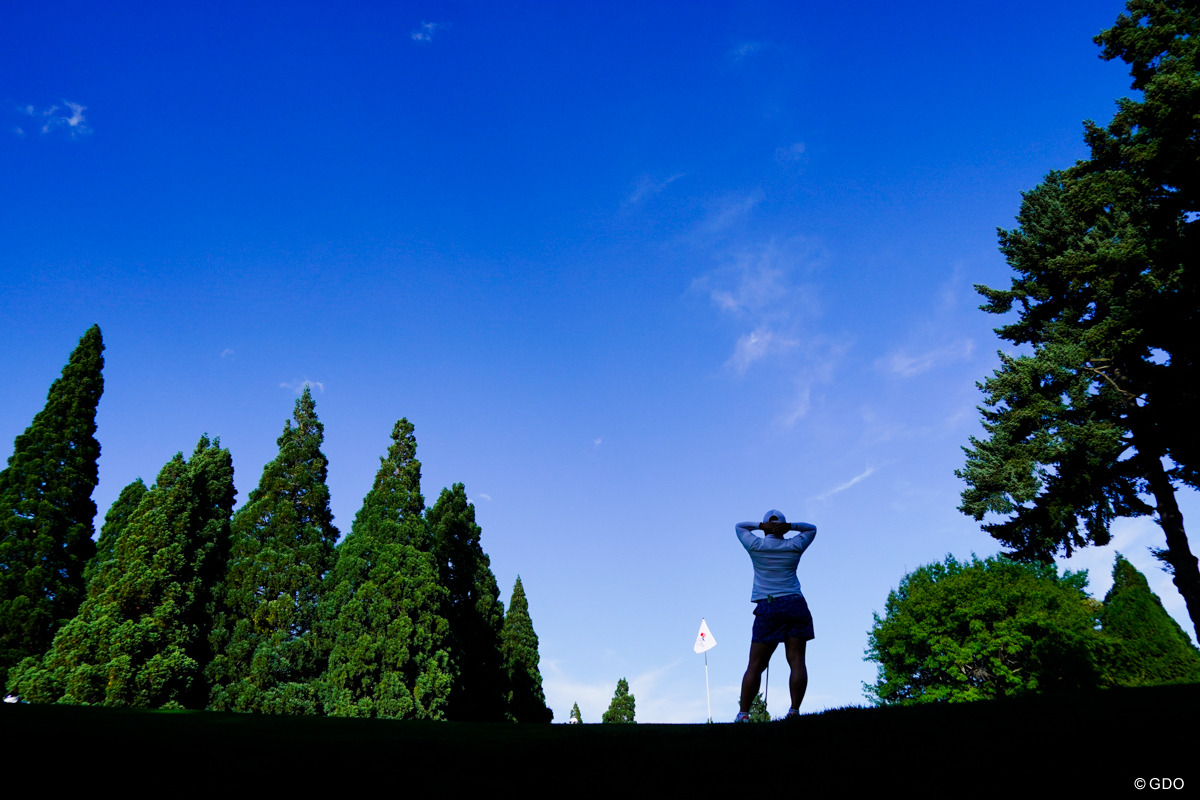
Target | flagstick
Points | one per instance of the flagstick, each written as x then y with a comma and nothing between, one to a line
707,696
767,689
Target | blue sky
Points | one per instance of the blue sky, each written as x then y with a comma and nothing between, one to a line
636,273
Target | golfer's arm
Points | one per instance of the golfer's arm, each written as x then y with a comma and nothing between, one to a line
743,530
807,534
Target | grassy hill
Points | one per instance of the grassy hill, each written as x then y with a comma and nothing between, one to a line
1037,745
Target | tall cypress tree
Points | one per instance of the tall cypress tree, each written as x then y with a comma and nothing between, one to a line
1149,647
46,509
115,522
472,608
267,657
141,637
382,611
519,645
623,706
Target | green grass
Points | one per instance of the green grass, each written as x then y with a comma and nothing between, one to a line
1036,745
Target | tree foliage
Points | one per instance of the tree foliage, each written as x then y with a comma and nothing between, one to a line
1093,421
382,610
960,631
115,522
472,608
622,707
1148,646
758,709
575,715
519,646
267,654
141,636
46,509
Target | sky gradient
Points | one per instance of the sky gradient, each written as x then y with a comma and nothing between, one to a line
635,272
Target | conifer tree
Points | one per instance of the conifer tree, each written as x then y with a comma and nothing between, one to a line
115,522
575,715
141,637
471,607
758,709
382,611
621,709
46,509
1149,647
519,646
267,657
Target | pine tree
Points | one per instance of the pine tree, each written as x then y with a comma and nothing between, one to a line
519,645
575,715
1095,419
621,709
472,608
267,657
115,522
382,611
141,637
1149,647
758,709
46,509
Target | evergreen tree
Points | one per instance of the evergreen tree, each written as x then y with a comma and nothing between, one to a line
471,607
382,609
115,522
519,645
621,709
1148,646
961,631
141,637
46,509
575,715
267,657
758,709
1095,420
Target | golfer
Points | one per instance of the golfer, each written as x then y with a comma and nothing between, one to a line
781,614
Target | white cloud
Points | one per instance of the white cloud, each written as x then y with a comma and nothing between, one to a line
789,155
743,50
756,345
68,118
424,34
646,187
483,496
597,441
298,386
228,351
906,365
862,476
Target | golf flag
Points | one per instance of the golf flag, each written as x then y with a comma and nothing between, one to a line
704,639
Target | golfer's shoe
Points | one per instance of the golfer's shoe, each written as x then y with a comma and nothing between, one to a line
742,717
791,715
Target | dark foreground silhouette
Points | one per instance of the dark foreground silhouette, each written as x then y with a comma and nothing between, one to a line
1105,740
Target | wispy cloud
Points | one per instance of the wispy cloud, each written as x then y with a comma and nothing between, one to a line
597,441
298,386
757,345
67,118
227,352
907,365
790,155
424,34
862,476
743,50
646,187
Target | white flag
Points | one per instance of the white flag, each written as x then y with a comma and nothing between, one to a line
704,639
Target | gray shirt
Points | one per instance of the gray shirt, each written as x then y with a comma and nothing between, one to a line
775,559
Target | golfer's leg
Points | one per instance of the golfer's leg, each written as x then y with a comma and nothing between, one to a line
798,683
760,656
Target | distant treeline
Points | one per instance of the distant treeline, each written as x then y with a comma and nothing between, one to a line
182,603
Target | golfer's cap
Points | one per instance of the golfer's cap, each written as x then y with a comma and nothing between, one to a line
774,516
